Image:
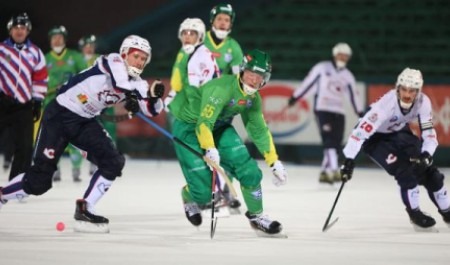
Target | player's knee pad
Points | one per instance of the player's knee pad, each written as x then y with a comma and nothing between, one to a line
111,167
433,180
39,179
406,178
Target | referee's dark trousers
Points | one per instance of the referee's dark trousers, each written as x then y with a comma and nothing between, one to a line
18,117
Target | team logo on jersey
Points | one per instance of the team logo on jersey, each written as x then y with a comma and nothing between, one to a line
82,98
373,117
49,153
394,119
60,63
228,57
71,61
242,102
249,103
215,101
391,159
216,54
232,102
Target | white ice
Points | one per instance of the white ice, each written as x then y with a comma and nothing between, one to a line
148,225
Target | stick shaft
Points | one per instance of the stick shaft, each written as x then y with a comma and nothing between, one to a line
334,205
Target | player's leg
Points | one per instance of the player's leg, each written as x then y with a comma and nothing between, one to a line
433,181
93,139
236,159
393,152
197,191
331,126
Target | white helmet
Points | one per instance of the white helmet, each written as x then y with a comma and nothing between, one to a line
409,78
139,43
195,24
341,48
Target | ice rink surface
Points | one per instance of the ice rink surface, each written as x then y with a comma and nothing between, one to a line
148,225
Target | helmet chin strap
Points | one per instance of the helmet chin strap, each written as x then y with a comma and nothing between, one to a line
58,49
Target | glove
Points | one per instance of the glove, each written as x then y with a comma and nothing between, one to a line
156,91
131,103
292,101
422,163
347,169
37,106
279,173
169,99
361,114
213,155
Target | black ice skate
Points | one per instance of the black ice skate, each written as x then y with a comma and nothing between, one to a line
263,226
88,222
445,215
193,213
421,222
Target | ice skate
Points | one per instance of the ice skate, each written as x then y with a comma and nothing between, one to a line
325,178
193,213
445,216
420,221
264,227
57,175
76,175
87,222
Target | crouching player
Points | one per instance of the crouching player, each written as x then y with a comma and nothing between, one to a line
70,118
384,134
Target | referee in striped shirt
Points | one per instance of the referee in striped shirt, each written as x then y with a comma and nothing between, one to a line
23,85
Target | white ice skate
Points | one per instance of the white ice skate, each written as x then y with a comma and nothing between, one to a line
264,227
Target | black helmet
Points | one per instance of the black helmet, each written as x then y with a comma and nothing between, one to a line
20,19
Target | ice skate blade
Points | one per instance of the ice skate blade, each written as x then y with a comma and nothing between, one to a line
88,227
260,233
425,230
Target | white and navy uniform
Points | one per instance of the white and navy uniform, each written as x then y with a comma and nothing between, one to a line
201,66
70,118
384,134
331,86
23,79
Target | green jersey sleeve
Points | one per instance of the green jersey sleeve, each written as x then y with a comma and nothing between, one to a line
258,131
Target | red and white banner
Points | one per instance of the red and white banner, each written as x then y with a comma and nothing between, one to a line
295,125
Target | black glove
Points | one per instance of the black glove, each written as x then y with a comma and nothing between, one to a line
361,114
131,102
292,101
347,169
37,107
156,91
422,163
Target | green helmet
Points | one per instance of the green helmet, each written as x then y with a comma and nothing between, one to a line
58,30
259,62
222,9
90,39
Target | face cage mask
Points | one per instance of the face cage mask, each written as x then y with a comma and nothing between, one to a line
58,49
340,64
189,48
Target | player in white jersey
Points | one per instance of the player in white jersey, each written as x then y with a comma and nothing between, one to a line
332,83
70,118
384,135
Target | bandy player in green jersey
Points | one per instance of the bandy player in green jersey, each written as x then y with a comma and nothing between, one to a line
204,125
63,63
226,50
